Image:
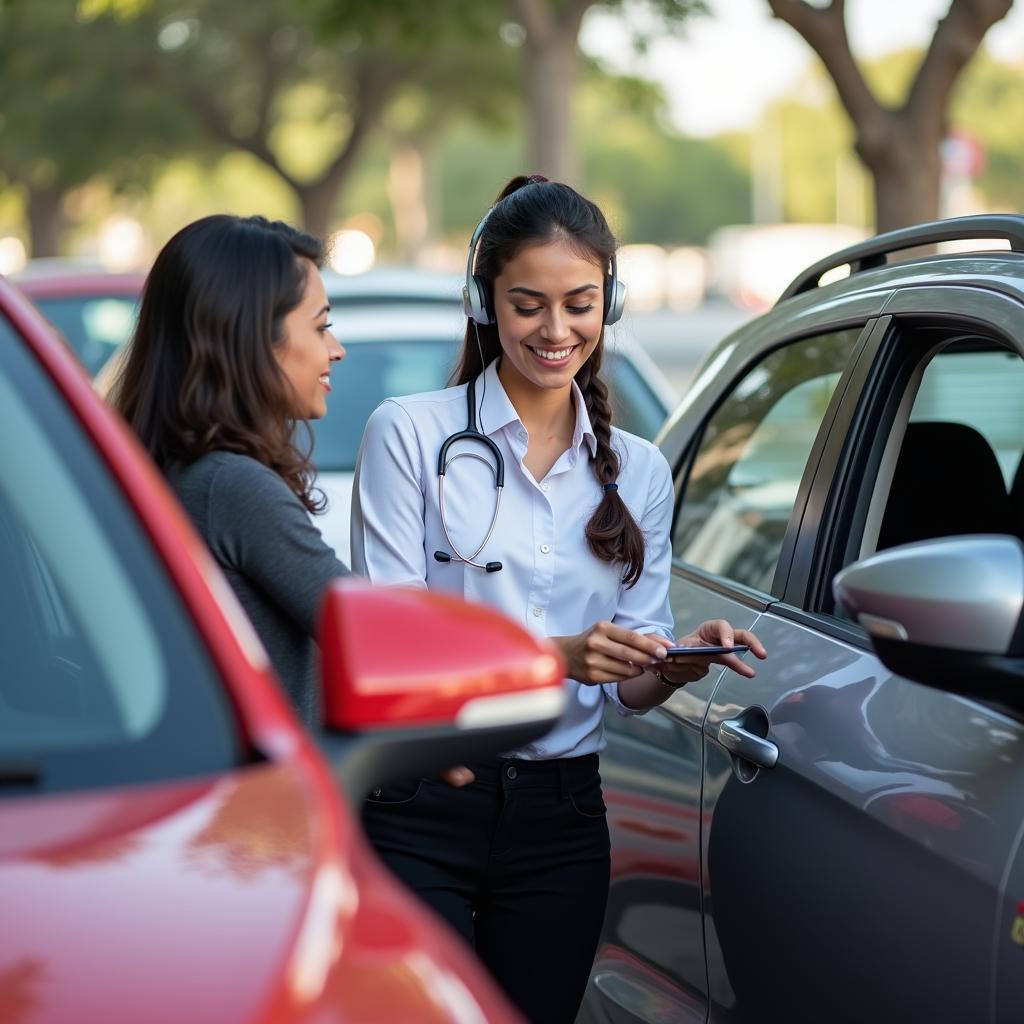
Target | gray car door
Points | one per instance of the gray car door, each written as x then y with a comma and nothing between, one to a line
745,493
861,828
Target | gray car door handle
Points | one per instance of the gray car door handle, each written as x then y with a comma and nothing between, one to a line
740,741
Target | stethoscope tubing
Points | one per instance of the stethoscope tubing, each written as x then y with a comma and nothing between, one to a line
468,559
471,433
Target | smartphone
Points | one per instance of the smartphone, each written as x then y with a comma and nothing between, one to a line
738,649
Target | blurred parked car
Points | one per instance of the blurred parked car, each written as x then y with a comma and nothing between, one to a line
93,310
393,286
402,327
173,845
403,348
839,839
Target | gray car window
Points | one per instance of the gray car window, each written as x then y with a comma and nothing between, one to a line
744,479
95,326
954,468
984,390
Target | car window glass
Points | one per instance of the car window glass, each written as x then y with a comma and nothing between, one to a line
744,478
635,407
94,327
371,372
955,468
984,390
102,678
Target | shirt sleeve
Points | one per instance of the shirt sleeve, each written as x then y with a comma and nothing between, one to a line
645,607
260,528
388,505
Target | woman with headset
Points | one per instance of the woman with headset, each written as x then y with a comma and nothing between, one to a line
513,488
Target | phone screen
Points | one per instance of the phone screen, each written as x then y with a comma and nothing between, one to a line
738,649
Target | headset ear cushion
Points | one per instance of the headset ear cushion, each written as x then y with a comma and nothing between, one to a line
476,300
614,299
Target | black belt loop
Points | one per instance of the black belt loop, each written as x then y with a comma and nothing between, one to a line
563,780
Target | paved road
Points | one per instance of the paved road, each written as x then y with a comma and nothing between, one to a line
677,342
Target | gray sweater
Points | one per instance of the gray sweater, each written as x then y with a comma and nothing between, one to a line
273,557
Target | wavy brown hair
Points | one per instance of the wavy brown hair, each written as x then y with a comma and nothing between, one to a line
530,211
201,373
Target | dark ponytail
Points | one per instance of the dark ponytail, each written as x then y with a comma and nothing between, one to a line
528,211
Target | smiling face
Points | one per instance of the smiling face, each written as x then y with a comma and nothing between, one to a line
308,349
548,307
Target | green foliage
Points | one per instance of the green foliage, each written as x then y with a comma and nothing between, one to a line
76,98
989,103
648,20
654,185
814,140
822,175
657,186
405,25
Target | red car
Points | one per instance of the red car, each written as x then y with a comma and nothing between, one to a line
173,844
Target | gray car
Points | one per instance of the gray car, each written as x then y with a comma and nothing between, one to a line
840,839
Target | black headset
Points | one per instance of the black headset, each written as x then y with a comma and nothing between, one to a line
476,292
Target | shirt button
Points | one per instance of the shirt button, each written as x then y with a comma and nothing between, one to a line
377,791
545,488
522,435
538,612
545,548
510,771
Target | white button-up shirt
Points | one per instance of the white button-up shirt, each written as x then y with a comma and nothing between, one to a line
549,581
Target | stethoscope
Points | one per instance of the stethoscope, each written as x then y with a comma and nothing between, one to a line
471,433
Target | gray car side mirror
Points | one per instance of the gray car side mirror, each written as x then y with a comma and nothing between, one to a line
946,613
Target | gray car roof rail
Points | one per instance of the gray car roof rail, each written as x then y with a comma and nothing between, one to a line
873,252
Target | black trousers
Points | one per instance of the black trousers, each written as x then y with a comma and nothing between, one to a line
517,862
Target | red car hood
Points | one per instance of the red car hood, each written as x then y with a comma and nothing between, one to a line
161,903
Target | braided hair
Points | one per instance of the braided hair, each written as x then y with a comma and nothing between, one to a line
530,211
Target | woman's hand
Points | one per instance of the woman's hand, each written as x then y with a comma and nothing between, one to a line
607,653
458,776
682,668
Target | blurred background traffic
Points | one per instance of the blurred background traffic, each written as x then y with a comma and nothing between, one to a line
732,142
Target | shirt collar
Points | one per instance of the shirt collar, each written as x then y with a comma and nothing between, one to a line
496,411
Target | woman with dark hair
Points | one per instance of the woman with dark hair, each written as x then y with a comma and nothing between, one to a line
231,353
512,487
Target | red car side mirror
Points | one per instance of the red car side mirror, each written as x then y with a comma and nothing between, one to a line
414,682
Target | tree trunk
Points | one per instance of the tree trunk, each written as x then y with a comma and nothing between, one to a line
899,147
319,201
906,185
906,172
552,67
46,221
407,194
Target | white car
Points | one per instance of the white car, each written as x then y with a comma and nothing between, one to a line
402,346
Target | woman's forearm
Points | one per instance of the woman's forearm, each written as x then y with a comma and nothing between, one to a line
643,692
